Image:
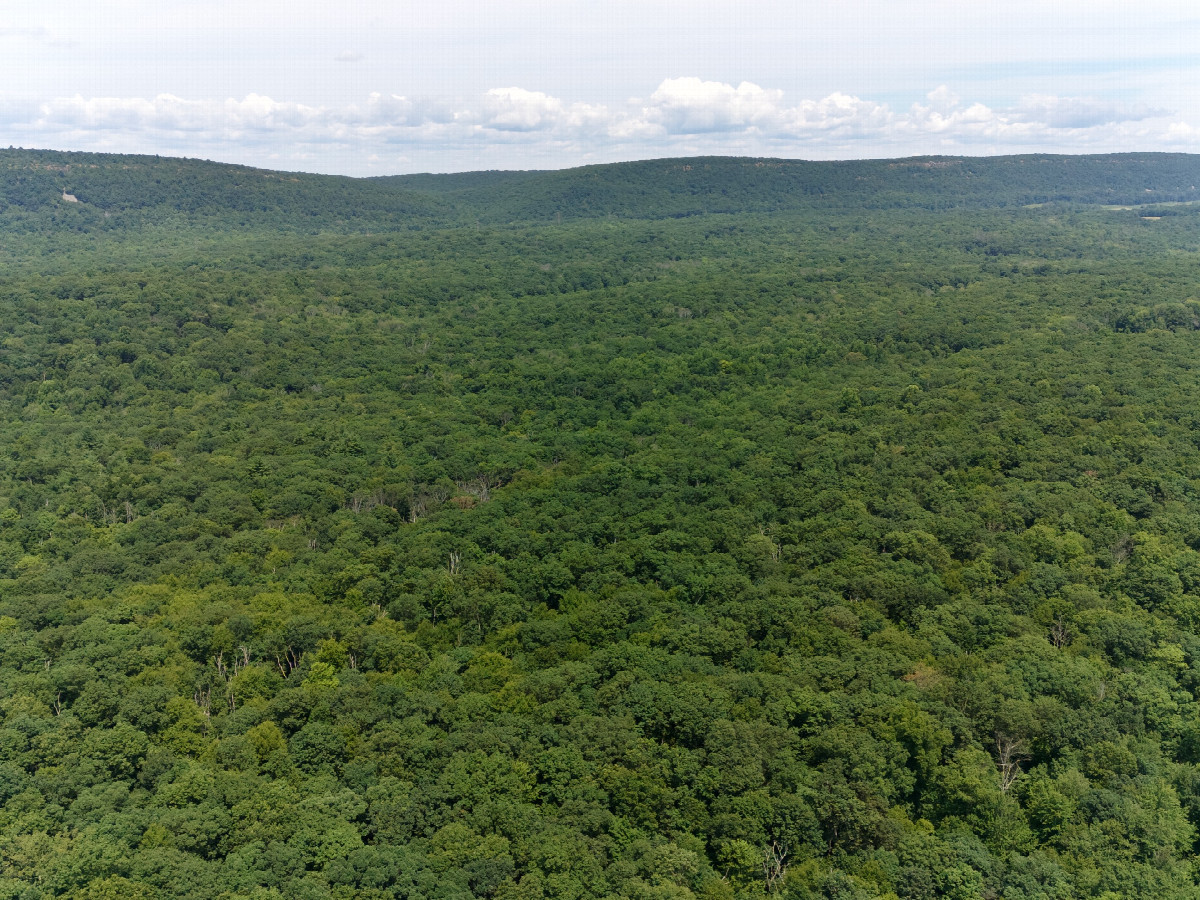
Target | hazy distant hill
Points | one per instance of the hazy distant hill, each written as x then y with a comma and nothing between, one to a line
118,191
683,187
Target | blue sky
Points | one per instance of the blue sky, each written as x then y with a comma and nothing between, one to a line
373,88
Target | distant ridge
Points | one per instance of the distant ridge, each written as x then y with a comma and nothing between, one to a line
683,187
116,190
128,191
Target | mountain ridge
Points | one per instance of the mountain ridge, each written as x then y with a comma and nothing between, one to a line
117,191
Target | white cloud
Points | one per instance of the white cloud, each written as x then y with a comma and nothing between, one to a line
516,109
1081,112
212,119
349,56
841,115
942,98
518,127
689,106
692,106
168,113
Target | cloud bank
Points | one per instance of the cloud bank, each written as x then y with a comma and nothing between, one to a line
516,127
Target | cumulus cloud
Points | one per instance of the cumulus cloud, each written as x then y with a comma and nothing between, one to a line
839,114
678,107
692,106
169,113
1081,112
513,125
942,98
689,106
1037,122
254,113
516,109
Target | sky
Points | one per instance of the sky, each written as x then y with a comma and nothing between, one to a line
382,88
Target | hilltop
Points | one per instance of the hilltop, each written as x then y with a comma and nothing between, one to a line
118,192
684,187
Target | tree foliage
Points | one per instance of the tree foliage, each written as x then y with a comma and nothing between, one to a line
845,548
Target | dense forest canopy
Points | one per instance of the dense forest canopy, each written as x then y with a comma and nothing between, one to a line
117,192
709,528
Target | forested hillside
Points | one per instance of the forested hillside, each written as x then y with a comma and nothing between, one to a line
115,194
830,531
686,187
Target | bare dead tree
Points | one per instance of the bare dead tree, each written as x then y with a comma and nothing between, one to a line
480,487
290,661
775,865
109,516
1122,548
417,508
240,661
485,484
1060,634
203,699
1009,753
